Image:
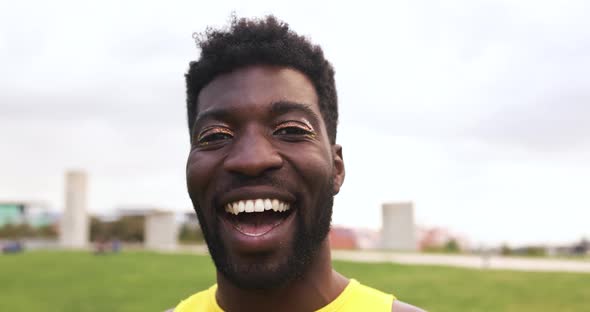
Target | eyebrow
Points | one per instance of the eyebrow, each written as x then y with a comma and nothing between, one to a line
218,114
277,108
284,107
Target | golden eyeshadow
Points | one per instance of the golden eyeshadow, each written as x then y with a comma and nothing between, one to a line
213,130
300,124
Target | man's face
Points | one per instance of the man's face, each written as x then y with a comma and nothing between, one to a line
262,174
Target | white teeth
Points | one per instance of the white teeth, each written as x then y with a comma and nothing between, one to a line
267,204
249,206
256,205
259,205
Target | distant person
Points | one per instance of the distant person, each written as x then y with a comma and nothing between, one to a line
100,246
263,170
13,247
116,245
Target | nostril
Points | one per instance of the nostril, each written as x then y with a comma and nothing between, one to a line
253,160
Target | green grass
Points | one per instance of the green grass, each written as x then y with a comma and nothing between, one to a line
81,282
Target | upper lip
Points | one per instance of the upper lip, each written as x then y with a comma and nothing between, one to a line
255,192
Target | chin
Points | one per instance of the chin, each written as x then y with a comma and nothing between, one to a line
260,276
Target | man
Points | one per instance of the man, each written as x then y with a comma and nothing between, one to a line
262,172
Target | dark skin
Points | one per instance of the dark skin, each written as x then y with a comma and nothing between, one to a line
265,121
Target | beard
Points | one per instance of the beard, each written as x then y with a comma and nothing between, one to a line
262,274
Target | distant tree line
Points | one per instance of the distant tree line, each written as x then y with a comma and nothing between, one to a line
131,229
127,228
531,251
450,246
20,231
190,234
580,248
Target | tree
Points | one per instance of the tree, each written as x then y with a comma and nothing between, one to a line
452,246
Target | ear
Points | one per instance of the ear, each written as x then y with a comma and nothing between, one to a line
339,172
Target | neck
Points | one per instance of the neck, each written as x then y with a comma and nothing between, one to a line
318,287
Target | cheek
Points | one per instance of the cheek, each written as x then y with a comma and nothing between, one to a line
200,171
314,167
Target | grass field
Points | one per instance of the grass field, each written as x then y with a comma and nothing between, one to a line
81,282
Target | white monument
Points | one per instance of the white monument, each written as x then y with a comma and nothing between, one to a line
161,231
74,230
398,229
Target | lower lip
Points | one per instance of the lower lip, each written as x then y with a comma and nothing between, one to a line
271,239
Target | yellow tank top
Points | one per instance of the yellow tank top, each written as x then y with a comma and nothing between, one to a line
355,297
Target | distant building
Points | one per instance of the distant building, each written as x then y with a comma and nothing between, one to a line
161,231
11,213
74,230
368,238
35,214
160,228
398,230
342,238
437,237
580,248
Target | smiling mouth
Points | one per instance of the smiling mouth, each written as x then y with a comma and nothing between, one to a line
256,217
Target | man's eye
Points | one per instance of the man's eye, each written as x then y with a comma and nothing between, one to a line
292,131
215,137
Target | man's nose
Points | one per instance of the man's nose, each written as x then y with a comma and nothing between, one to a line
252,154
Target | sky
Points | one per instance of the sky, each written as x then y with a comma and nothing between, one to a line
476,111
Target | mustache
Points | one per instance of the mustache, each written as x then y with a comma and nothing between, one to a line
239,181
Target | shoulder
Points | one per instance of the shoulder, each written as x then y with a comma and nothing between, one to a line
204,299
399,306
378,296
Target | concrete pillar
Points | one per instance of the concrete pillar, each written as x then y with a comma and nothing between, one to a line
74,229
161,231
398,229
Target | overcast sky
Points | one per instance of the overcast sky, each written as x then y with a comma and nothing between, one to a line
477,111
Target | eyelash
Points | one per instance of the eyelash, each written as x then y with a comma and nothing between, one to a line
300,129
208,136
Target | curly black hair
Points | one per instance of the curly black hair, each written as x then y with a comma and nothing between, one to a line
266,41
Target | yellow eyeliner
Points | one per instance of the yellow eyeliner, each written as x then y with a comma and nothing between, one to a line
298,124
212,130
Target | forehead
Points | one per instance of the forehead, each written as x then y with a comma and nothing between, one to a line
256,87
